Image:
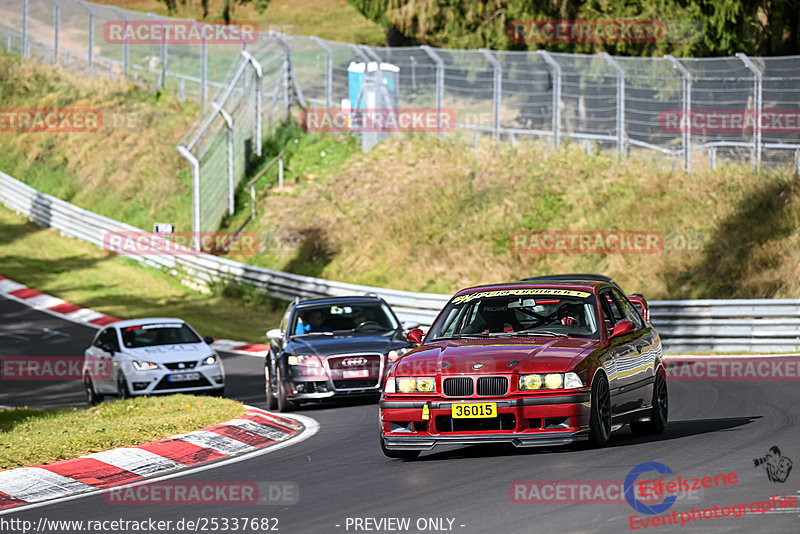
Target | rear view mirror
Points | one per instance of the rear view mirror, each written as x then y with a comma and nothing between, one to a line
275,334
415,336
622,328
208,340
108,347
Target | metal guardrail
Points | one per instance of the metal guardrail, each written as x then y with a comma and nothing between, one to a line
770,325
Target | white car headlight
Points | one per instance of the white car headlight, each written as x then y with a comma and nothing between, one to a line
143,366
395,355
210,360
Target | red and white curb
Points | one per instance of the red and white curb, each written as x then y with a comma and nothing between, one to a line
65,310
255,432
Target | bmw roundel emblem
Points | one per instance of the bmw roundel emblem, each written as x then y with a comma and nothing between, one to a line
477,366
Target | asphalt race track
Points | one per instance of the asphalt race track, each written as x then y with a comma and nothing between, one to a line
715,428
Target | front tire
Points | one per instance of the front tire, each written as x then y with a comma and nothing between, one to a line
659,411
92,397
272,402
600,418
122,388
284,404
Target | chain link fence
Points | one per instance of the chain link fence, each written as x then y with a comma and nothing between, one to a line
735,108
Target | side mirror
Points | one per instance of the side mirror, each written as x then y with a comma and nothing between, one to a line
108,347
275,334
622,328
415,335
208,340
410,325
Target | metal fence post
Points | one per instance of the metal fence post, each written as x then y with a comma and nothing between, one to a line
686,111
287,65
25,28
163,83
439,83
125,43
193,161
91,35
620,103
758,105
328,71
259,74
556,95
229,125
497,88
56,26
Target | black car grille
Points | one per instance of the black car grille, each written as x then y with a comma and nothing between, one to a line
504,422
492,386
457,387
354,361
176,366
354,384
163,384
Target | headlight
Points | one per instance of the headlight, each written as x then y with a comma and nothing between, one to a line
211,360
304,361
143,366
394,355
420,384
571,380
549,381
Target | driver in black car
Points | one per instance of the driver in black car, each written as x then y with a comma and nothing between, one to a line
359,317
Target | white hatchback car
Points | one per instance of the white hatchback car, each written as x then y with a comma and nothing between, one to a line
148,357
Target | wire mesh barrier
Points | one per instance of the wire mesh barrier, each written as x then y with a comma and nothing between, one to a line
734,108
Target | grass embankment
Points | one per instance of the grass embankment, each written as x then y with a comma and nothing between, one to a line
34,437
81,273
336,20
129,170
430,214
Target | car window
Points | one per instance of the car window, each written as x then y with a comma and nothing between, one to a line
630,311
518,312
149,335
343,316
108,336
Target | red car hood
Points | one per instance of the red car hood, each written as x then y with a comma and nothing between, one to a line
495,356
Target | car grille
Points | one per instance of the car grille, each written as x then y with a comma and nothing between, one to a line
176,366
355,361
163,384
354,384
504,422
492,386
457,387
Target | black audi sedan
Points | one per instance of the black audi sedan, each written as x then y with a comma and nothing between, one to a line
332,347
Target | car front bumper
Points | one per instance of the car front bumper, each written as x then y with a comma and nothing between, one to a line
161,381
529,421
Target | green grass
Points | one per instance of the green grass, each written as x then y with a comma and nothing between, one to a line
85,275
34,437
336,20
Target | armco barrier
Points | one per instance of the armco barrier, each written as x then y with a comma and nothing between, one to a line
763,325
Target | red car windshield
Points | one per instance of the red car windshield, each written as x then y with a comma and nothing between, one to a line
518,312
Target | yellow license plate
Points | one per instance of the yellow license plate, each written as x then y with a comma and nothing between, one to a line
474,410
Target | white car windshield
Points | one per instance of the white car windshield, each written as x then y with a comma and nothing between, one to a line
149,335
